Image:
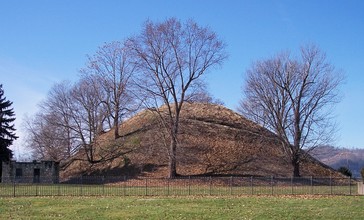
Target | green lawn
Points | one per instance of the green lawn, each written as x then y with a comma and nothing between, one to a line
186,207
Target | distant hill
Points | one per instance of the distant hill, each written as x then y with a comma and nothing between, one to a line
213,140
338,157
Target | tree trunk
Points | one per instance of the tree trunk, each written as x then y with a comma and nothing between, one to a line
296,168
116,124
173,147
172,158
116,131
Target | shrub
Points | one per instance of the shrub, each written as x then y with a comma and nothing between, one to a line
346,171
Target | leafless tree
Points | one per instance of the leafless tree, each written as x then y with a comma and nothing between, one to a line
49,132
86,111
47,140
69,124
112,68
171,58
70,120
204,97
294,99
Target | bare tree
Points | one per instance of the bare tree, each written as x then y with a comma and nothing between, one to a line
294,99
204,97
46,139
70,119
171,59
86,111
112,68
49,132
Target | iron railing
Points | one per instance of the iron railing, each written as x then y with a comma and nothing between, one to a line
124,186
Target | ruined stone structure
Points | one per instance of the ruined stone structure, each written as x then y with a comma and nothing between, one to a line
30,172
360,188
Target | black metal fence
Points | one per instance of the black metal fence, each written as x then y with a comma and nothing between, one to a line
234,186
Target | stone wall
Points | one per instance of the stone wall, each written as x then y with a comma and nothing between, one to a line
361,188
30,172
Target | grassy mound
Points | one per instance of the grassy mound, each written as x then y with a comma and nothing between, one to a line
213,140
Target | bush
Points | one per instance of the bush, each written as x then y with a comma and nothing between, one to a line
362,173
346,171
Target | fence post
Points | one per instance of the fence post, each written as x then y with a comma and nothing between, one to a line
251,184
81,185
146,186
189,185
124,186
210,186
36,189
231,185
103,185
167,186
349,185
14,187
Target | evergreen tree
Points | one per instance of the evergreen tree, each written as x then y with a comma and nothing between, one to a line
346,171
7,130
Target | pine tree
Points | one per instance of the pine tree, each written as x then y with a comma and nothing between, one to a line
7,130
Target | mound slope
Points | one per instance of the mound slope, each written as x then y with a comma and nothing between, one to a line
213,140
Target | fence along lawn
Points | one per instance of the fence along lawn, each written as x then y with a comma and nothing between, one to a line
209,186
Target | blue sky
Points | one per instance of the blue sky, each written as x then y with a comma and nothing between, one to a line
43,42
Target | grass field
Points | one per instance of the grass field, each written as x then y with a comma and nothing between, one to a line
186,207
